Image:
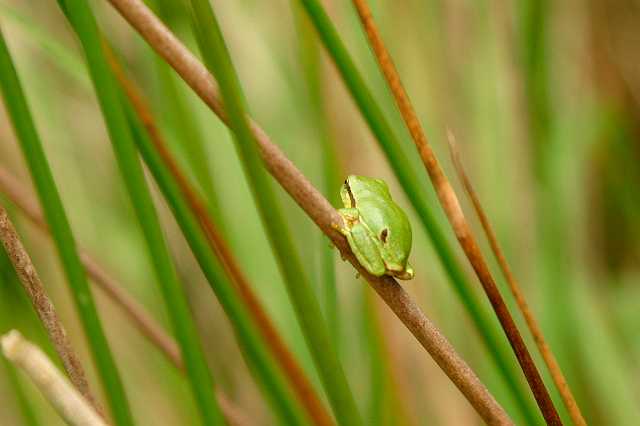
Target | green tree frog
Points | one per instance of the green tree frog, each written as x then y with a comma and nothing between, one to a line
378,231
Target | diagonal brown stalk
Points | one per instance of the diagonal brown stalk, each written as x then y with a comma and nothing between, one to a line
44,307
550,360
318,209
18,194
293,371
455,215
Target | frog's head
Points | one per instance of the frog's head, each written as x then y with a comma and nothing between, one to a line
346,195
355,186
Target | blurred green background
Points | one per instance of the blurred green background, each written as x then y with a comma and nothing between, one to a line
544,98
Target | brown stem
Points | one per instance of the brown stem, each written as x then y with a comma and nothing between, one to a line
294,373
19,196
318,209
550,360
43,306
451,206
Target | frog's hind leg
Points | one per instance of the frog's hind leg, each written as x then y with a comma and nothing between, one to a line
365,250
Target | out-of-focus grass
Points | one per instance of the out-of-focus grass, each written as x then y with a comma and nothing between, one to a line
262,364
463,70
55,215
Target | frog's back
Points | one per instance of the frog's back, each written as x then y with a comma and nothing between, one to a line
364,188
374,197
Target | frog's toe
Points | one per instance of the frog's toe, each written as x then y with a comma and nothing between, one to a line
402,272
349,214
407,274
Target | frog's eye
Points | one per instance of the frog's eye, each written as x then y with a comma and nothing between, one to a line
351,198
384,234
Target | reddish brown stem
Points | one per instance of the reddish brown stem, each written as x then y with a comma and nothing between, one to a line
550,360
19,195
44,307
451,206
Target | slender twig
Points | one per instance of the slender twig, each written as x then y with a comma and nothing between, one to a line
518,294
18,194
43,306
455,215
318,209
294,372
66,399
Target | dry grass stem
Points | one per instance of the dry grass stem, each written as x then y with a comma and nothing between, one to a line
293,371
318,209
518,294
146,324
455,215
66,399
43,306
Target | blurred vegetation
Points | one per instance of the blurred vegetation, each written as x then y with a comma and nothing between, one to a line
544,98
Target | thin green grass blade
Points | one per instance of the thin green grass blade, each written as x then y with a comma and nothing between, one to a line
217,59
486,325
26,409
379,398
253,348
61,232
310,57
606,370
66,60
85,26
181,117
187,131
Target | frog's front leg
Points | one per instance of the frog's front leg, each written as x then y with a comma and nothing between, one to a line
349,217
365,250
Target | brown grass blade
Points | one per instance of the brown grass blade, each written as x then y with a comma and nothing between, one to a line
549,359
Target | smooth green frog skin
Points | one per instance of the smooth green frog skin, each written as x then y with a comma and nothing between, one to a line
377,229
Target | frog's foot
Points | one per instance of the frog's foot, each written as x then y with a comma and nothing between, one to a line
407,274
350,216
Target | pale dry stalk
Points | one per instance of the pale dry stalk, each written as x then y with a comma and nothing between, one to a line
66,399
